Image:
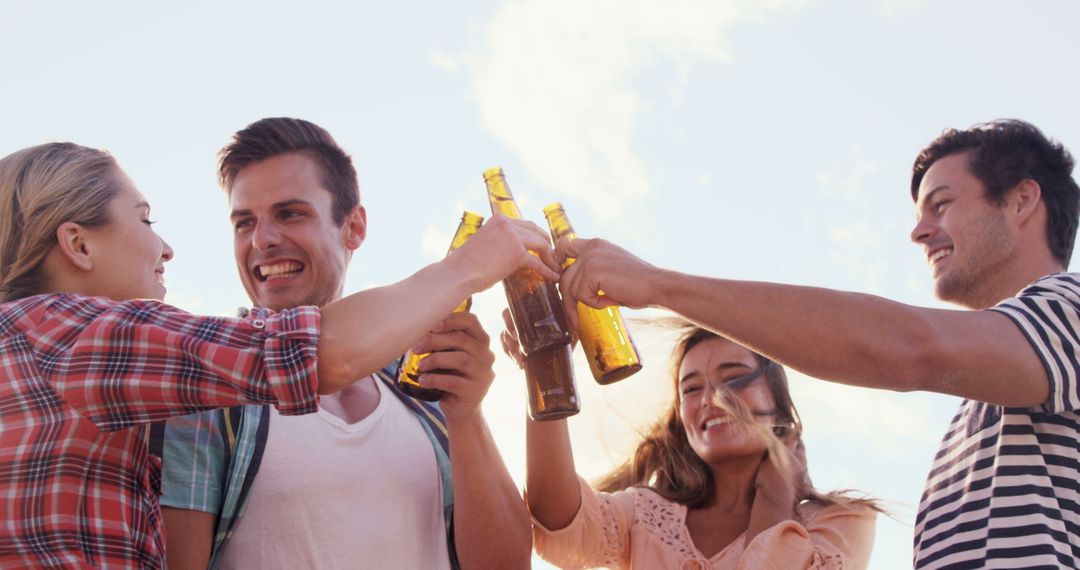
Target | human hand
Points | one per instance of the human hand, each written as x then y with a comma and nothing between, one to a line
603,266
502,246
784,481
460,364
509,339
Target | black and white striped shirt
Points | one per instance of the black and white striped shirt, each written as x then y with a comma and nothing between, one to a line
1003,491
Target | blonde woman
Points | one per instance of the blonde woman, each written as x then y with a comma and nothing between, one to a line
719,482
89,355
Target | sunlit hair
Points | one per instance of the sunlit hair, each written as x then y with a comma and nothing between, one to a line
277,136
665,462
42,187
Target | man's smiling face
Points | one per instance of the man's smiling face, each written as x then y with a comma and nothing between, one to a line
288,249
965,237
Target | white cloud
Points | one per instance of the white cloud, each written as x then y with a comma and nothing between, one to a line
434,240
443,61
553,82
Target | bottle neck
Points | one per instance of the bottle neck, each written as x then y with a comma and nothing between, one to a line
502,201
465,230
559,224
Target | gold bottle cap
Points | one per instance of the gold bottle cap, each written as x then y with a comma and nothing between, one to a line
493,172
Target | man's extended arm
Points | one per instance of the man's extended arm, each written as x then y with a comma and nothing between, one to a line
365,330
491,525
851,338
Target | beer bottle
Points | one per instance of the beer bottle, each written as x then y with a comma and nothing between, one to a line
604,337
549,378
408,379
534,302
541,325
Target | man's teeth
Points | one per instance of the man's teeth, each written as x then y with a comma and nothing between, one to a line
940,254
279,270
717,421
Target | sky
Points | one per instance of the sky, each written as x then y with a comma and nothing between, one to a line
765,140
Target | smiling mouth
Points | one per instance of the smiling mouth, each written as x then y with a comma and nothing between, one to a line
940,254
277,271
717,421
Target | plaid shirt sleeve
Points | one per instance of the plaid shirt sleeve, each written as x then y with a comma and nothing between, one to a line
122,364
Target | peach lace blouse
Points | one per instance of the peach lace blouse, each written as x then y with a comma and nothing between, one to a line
638,528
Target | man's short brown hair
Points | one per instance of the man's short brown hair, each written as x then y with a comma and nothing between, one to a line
275,136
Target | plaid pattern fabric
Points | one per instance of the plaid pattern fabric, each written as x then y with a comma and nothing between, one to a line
79,379
210,460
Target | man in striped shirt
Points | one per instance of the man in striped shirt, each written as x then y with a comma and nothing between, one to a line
997,211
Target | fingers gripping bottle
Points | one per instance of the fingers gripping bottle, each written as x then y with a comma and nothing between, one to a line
604,337
408,379
540,323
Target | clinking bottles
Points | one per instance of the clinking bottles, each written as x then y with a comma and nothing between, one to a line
604,337
408,379
540,323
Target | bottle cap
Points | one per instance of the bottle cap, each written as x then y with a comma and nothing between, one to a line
552,207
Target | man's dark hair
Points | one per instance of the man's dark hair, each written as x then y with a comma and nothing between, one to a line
275,136
1005,152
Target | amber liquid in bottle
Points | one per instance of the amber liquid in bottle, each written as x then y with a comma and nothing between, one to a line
534,301
549,376
408,380
605,339
541,325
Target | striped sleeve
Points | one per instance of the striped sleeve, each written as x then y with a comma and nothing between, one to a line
1048,314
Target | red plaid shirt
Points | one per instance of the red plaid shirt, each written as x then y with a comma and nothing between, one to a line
79,380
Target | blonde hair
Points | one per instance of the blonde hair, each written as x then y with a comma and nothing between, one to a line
665,462
42,187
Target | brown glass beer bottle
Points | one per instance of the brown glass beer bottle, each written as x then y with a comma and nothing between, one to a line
549,378
534,301
541,325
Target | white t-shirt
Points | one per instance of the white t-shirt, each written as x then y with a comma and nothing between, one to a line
1004,489
330,494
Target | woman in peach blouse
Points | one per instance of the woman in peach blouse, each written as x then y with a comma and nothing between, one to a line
719,482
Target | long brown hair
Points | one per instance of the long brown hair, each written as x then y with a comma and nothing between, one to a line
665,462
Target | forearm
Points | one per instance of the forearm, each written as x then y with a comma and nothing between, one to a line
551,481
834,335
491,525
189,538
846,337
365,330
